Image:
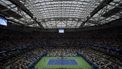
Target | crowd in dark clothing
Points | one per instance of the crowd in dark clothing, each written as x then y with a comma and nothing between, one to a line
19,51
100,59
27,59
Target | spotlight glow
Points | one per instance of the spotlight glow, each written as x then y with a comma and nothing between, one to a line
3,21
61,30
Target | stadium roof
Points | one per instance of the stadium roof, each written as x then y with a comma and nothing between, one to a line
54,14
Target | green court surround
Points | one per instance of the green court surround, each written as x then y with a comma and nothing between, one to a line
43,64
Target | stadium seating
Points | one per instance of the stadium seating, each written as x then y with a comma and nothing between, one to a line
60,34
18,50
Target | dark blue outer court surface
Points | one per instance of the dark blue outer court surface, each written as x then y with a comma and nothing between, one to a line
62,62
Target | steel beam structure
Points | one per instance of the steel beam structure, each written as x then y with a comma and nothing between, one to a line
8,12
22,7
98,8
113,11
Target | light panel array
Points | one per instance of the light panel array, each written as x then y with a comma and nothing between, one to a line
43,9
61,13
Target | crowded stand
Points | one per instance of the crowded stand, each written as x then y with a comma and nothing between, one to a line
27,59
18,50
102,60
63,52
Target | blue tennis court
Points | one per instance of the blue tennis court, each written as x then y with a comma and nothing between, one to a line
62,62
